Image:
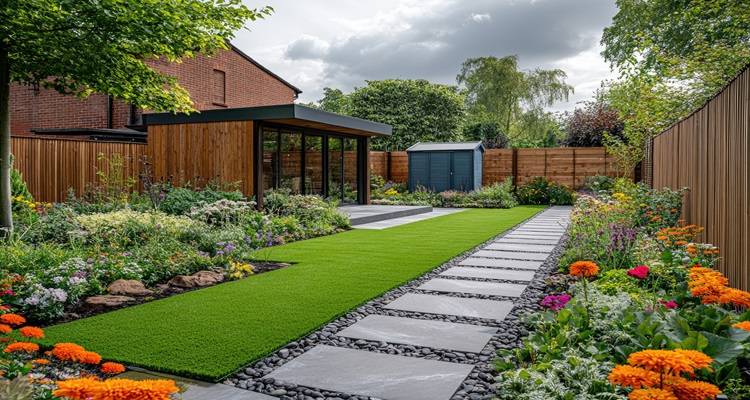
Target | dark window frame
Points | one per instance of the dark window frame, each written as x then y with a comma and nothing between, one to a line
276,181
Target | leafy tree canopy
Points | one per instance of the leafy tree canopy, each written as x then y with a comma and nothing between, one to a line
489,133
417,109
80,47
498,90
587,125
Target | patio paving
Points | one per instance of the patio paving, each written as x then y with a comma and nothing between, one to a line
515,256
500,263
521,247
421,332
462,307
377,375
490,273
390,223
474,287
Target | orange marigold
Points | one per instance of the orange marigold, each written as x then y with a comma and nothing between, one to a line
18,347
4,329
121,389
40,361
626,375
89,357
735,297
695,390
112,368
12,319
67,351
662,361
584,269
651,394
743,325
699,359
32,332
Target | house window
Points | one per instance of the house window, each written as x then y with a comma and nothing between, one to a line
219,88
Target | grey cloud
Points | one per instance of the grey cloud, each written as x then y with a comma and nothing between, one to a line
539,31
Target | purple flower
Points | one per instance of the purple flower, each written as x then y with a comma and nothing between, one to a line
230,247
220,253
621,237
556,302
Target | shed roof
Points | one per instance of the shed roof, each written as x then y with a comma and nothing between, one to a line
288,114
446,146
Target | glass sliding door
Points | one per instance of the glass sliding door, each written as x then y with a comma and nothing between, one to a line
270,158
291,161
314,164
350,171
335,167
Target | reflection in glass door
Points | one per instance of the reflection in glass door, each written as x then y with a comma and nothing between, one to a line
313,164
350,171
291,161
335,167
270,159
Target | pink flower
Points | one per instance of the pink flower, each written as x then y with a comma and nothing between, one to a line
671,304
7,292
640,272
556,302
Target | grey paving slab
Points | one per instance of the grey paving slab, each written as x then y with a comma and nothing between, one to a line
377,375
527,241
390,223
539,248
538,235
420,332
473,287
490,273
197,390
463,307
513,255
551,229
556,227
501,263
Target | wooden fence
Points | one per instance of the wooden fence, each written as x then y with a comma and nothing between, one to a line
52,166
569,166
708,153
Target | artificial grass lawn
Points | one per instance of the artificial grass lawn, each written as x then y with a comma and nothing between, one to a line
211,333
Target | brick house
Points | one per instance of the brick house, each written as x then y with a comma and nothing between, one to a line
229,79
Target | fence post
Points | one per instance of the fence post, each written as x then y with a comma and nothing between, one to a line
574,169
388,166
514,165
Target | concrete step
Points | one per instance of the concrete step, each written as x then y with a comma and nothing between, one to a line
365,214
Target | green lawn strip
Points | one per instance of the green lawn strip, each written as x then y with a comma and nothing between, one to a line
211,333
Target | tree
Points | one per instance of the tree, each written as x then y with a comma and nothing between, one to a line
673,56
498,90
488,132
80,47
417,109
334,100
587,126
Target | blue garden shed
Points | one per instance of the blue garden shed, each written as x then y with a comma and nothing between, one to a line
446,166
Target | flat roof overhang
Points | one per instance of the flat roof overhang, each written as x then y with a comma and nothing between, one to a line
287,114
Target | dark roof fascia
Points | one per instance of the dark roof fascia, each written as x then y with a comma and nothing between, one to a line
297,91
270,113
87,131
479,146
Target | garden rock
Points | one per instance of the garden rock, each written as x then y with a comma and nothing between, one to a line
207,278
128,287
183,281
107,301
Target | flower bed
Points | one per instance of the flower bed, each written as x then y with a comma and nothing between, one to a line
638,312
106,251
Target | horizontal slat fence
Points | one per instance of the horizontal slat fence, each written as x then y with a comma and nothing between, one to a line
708,153
51,166
569,166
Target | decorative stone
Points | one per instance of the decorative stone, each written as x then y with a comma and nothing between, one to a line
128,287
107,301
207,278
183,281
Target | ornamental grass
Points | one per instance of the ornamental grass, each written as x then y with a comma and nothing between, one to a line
663,374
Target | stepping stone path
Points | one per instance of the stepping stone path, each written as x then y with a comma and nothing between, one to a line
474,293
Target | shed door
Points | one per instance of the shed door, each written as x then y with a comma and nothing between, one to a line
463,178
440,171
419,170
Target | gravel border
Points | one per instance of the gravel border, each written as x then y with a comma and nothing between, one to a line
479,384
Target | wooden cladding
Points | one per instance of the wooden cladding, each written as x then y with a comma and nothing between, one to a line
708,153
203,152
52,166
566,165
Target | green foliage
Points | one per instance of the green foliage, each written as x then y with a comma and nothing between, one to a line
498,91
180,201
496,195
598,183
540,190
417,109
673,57
488,132
617,280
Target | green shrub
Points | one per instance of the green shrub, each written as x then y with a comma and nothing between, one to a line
180,201
541,191
128,228
598,183
222,212
617,280
58,225
496,195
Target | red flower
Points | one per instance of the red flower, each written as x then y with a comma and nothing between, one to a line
671,304
640,272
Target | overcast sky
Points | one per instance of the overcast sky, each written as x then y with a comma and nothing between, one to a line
342,43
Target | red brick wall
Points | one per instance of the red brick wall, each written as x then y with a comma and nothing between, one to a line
246,86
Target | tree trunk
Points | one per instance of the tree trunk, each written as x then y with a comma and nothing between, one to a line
6,213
